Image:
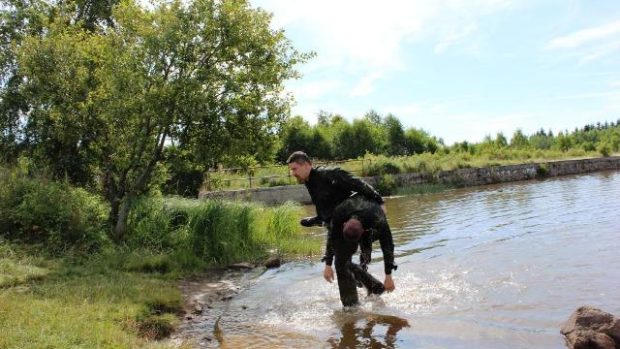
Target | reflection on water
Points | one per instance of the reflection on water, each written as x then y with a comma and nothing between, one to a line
359,329
498,266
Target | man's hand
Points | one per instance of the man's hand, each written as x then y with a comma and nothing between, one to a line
389,283
383,208
328,273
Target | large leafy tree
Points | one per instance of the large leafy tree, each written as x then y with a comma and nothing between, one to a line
206,76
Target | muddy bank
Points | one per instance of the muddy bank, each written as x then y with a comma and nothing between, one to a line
206,298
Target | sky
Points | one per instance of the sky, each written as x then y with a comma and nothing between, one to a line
459,69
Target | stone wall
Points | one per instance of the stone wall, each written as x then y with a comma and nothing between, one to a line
458,177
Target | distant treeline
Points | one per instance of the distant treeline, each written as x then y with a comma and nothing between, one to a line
601,137
335,138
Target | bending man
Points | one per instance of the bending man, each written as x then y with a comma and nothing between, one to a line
360,221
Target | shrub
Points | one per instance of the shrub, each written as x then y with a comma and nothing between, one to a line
151,225
604,149
383,166
386,185
542,171
36,210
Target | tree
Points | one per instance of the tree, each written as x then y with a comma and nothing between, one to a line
18,19
500,140
207,75
563,142
296,135
418,141
357,139
396,136
519,140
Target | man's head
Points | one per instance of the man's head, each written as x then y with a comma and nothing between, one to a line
352,229
300,165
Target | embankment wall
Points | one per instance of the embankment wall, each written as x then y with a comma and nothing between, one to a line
458,177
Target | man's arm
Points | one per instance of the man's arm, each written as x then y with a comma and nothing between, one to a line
328,258
387,247
355,184
328,272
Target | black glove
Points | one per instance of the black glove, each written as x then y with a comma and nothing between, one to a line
311,221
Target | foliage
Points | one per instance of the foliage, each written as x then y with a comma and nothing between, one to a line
380,165
103,90
36,210
386,185
185,174
210,231
335,138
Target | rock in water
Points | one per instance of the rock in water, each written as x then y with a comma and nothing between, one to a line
273,262
592,328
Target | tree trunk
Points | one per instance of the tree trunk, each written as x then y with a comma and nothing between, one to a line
120,224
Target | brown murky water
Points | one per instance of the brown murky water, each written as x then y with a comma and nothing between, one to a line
487,267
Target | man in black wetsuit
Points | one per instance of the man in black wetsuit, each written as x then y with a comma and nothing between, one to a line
360,221
328,188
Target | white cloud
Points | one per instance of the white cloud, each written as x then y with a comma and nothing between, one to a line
358,38
456,35
315,89
586,36
456,126
588,95
601,51
366,85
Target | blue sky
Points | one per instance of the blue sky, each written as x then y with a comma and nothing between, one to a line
459,69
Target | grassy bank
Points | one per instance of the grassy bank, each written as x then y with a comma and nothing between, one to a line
58,303
127,297
375,165
64,284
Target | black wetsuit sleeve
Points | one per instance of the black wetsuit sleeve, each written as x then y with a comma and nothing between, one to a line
387,247
357,185
328,258
311,221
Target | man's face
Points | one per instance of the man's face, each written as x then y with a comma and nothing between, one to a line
301,171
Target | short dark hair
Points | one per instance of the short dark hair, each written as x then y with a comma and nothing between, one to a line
298,157
352,229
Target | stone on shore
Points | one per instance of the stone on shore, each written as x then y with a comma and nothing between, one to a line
273,262
592,328
241,266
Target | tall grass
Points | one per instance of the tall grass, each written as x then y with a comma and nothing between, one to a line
193,233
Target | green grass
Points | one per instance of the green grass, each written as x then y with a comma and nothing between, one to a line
197,233
65,304
421,189
127,296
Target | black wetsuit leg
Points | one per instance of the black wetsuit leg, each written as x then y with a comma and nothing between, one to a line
373,285
348,273
344,251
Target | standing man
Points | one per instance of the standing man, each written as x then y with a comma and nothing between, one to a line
328,187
